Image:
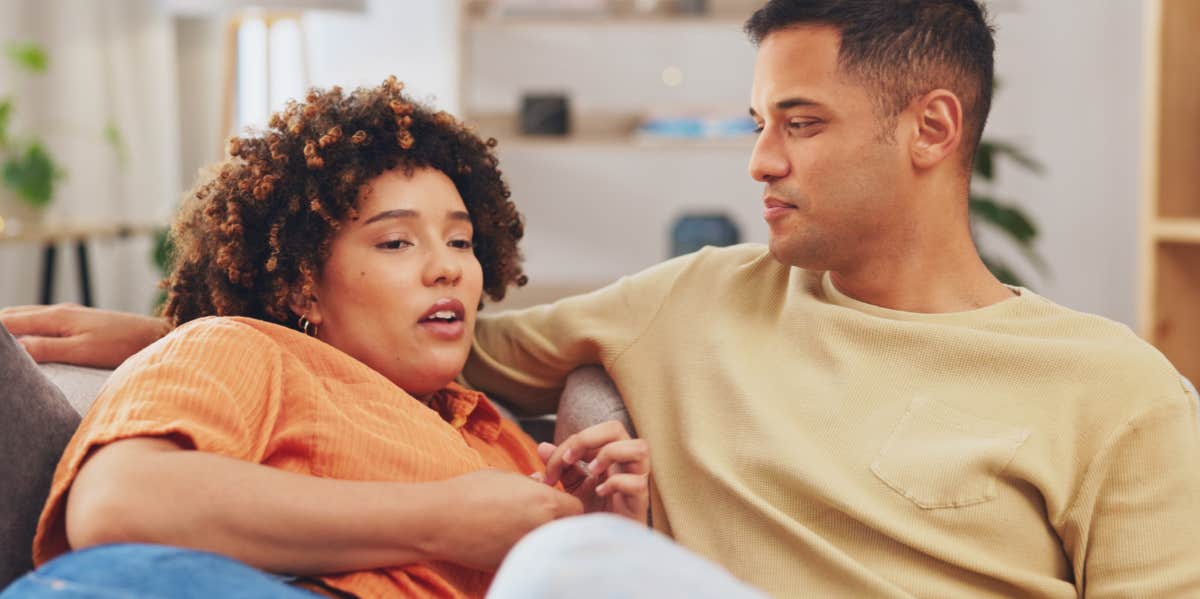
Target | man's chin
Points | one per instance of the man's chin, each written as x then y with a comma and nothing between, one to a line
789,250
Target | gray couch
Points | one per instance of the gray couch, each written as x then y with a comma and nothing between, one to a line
40,407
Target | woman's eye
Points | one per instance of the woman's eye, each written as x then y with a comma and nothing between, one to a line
462,244
393,244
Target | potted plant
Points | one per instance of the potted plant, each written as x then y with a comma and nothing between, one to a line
29,173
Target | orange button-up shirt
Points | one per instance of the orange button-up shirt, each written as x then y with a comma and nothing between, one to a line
266,394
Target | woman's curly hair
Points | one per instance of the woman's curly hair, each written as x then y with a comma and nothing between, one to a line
260,226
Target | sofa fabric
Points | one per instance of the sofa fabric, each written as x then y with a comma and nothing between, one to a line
35,424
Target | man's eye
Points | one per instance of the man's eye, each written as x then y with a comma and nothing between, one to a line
758,129
462,244
799,125
393,244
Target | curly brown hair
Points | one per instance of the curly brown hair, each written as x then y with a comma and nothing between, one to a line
260,225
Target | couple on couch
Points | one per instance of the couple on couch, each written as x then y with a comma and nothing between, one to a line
859,409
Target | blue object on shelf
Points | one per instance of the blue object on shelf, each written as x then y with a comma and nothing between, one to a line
694,231
692,127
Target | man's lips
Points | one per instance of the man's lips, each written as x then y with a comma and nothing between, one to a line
774,208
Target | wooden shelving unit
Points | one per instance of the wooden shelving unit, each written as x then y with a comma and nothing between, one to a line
1170,302
600,131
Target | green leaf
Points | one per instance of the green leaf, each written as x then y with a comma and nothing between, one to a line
113,136
28,56
985,160
1011,221
6,105
1018,156
164,251
32,175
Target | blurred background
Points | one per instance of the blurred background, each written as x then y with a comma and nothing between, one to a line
622,133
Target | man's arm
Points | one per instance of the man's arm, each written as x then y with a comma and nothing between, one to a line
524,357
149,490
73,334
1134,527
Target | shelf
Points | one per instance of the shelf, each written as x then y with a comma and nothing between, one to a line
1177,230
599,132
1176,323
724,21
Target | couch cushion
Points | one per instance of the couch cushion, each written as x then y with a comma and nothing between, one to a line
80,385
35,426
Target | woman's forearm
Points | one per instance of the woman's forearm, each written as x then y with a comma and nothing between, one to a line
151,491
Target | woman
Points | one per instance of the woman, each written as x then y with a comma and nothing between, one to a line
314,429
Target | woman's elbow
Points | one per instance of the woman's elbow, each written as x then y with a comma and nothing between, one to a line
106,503
99,516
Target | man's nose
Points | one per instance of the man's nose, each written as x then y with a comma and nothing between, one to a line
768,161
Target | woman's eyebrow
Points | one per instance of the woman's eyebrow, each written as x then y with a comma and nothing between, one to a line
399,213
406,213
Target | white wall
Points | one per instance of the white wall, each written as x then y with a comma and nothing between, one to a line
416,40
1072,95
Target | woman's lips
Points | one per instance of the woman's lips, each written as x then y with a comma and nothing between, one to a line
775,209
445,320
444,330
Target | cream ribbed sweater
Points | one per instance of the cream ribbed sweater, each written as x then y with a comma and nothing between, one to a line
817,446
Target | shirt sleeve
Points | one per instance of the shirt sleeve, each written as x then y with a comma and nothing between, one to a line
1134,527
212,385
524,357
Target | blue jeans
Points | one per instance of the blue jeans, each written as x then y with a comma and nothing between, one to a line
145,571
607,557
588,557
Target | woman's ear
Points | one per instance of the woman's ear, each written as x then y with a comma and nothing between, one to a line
939,128
304,305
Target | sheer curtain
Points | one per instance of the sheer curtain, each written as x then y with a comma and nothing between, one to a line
110,63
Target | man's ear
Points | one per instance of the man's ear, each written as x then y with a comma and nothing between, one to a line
939,128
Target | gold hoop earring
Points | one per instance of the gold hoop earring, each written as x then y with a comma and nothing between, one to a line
307,327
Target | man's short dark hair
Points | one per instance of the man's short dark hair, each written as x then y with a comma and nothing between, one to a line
902,49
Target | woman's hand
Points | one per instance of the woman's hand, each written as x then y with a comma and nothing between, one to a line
491,511
603,467
73,334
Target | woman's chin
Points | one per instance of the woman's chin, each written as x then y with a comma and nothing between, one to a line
428,379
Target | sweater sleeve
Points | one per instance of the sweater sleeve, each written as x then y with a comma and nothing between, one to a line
525,356
1134,527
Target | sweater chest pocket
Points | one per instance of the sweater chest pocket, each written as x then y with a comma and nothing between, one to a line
941,457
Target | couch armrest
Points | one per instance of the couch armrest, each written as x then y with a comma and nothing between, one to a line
589,397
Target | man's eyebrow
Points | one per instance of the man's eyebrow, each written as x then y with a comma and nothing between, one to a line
459,215
791,103
401,213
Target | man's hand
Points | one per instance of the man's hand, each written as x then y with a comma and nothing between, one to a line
493,510
616,478
73,334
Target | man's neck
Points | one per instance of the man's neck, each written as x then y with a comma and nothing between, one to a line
939,278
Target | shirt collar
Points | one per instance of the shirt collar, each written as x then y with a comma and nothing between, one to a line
467,409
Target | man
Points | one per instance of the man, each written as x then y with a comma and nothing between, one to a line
862,409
